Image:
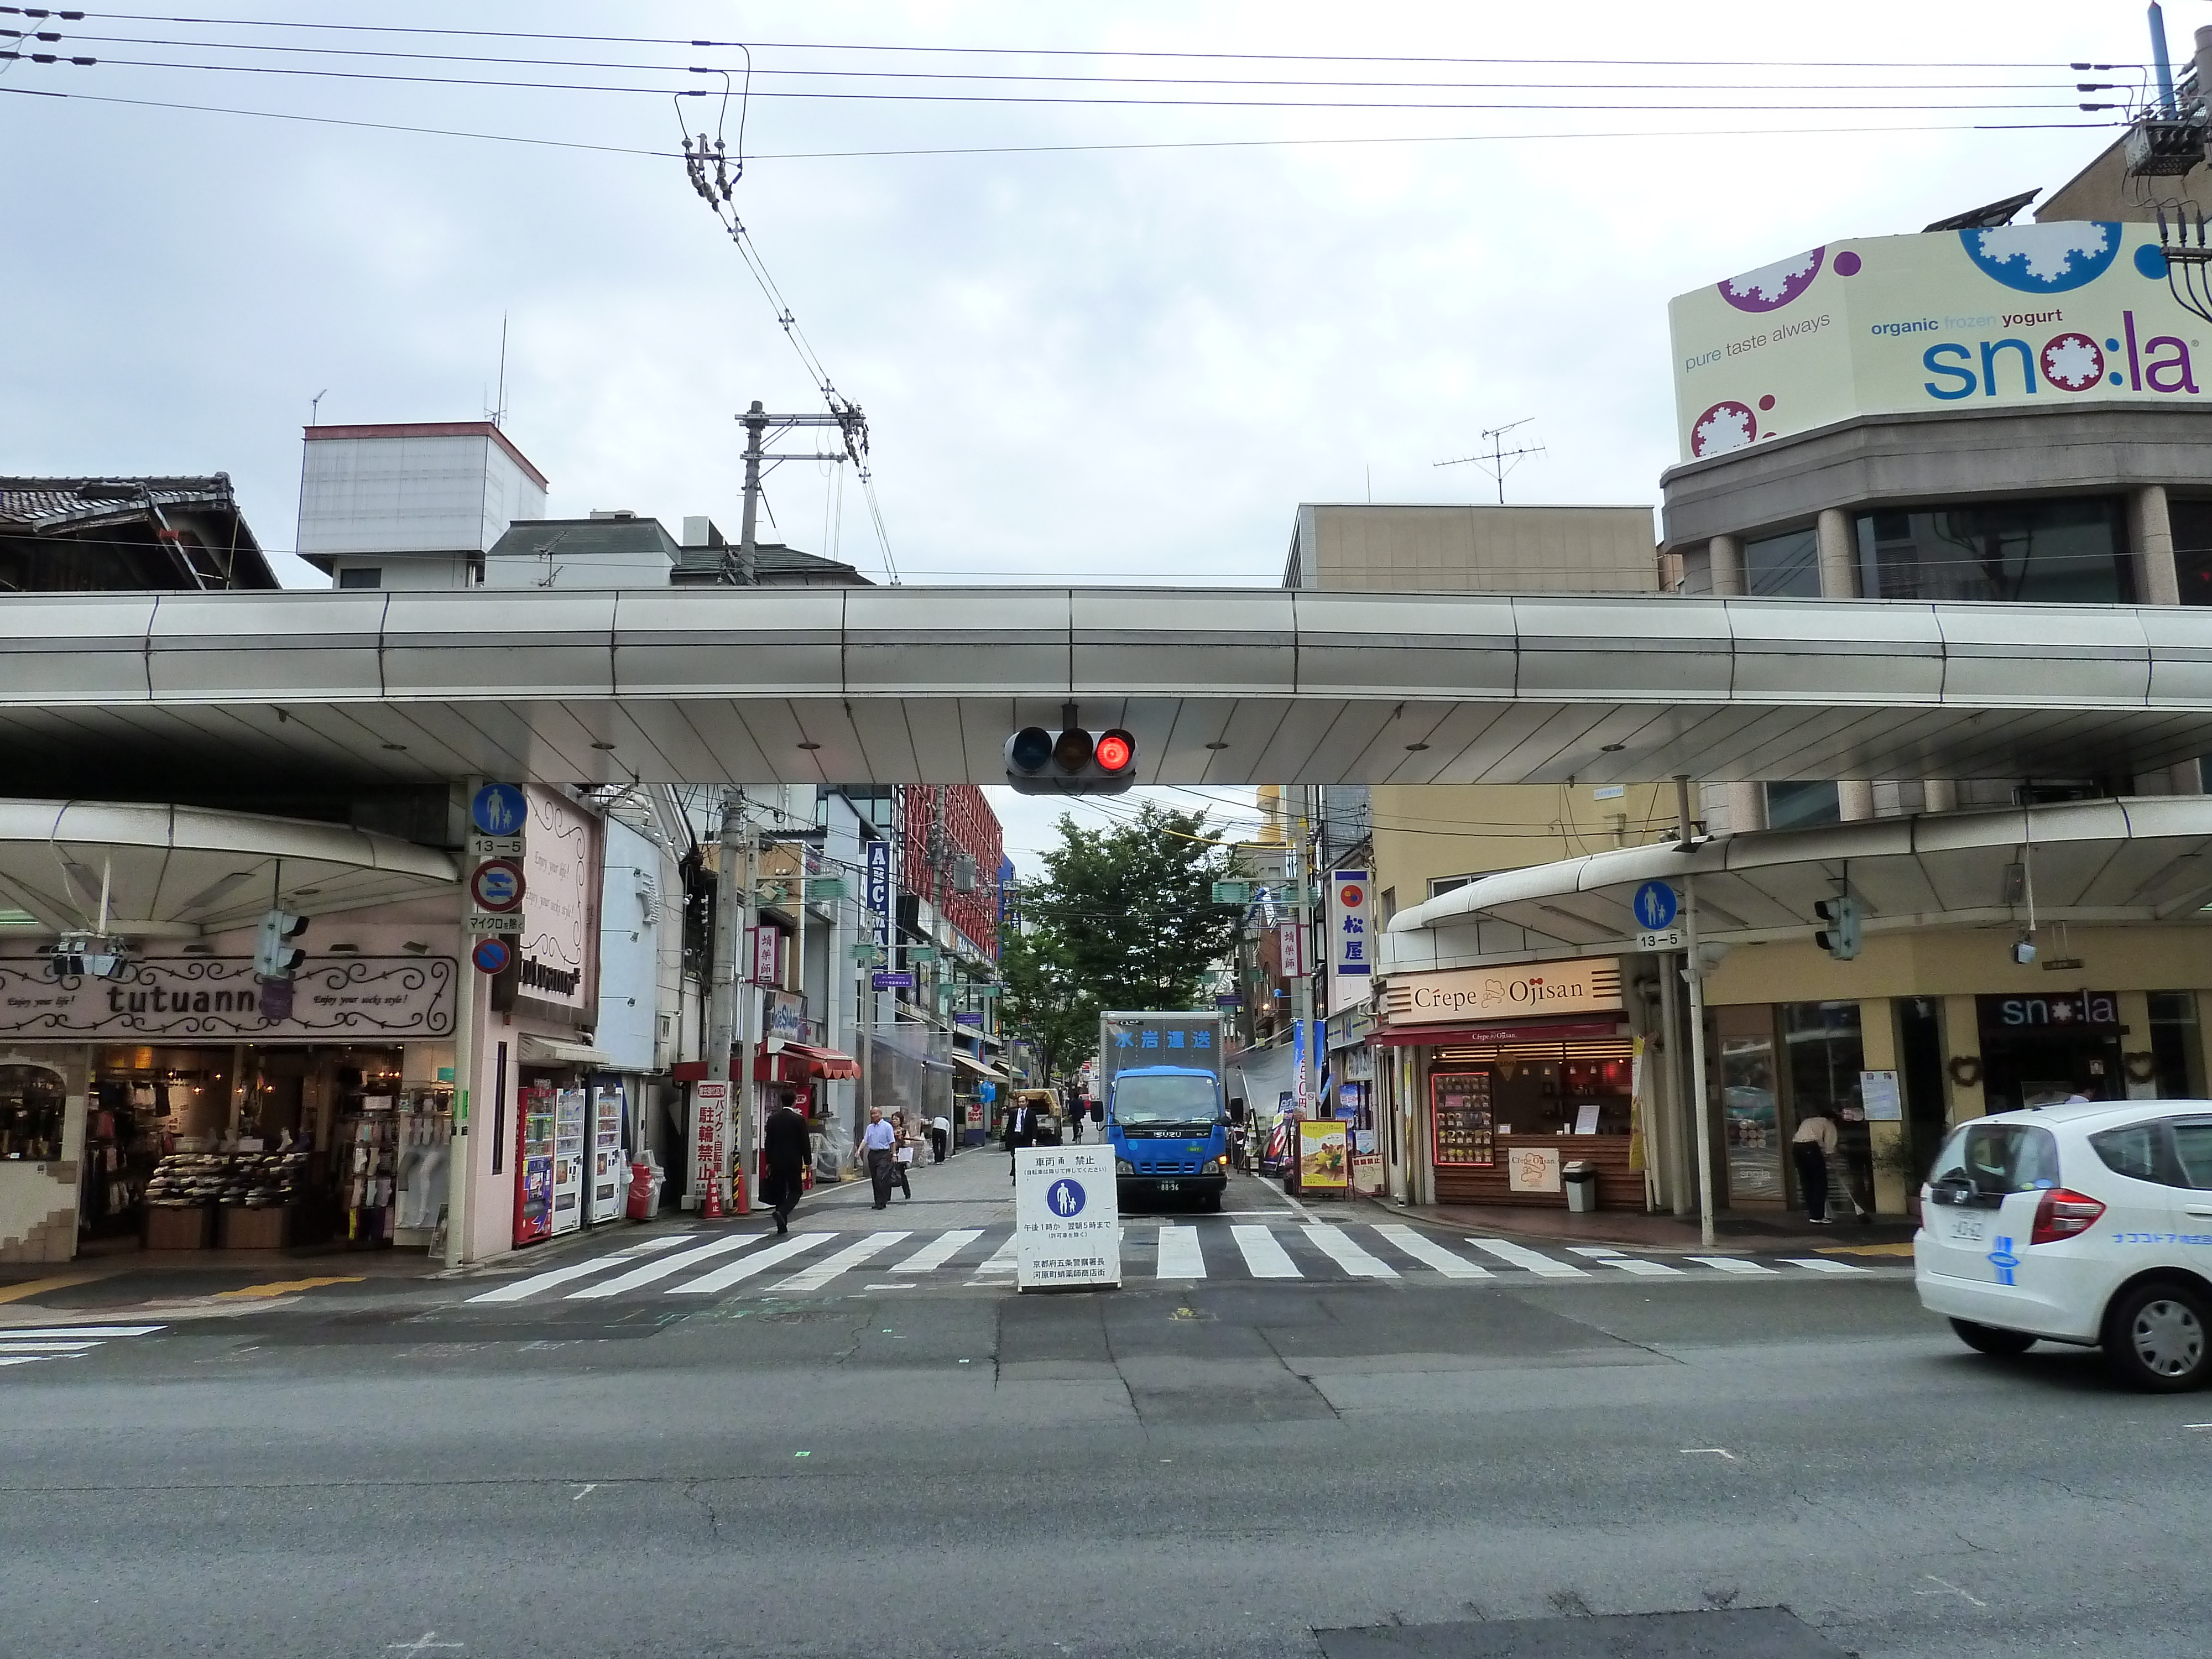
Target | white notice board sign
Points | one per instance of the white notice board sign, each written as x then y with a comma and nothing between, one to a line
1068,1218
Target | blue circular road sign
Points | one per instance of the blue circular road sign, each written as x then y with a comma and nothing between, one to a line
498,810
1655,906
491,956
1064,1197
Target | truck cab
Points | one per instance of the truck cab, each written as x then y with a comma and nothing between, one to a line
1169,1128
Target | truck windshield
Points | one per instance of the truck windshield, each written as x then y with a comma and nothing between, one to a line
1155,1102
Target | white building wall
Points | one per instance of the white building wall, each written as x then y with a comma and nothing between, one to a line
415,493
630,924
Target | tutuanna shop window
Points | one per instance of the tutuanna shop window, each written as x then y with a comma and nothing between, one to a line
33,1100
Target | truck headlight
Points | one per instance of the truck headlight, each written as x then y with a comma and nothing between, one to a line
1122,1166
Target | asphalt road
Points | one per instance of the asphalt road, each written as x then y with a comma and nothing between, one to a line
1220,1469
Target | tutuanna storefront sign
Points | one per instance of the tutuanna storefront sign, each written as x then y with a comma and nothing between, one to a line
1591,985
218,997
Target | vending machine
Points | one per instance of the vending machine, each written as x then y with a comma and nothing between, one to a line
534,1165
569,1156
610,1169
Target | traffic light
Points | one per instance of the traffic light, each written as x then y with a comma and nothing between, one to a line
1072,762
1840,938
275,957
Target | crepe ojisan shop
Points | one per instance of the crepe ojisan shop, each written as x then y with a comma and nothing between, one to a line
1520,1071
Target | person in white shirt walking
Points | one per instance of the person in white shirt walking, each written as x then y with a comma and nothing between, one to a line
1810,1147
877,1143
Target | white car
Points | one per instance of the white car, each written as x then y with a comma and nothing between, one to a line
2088,1223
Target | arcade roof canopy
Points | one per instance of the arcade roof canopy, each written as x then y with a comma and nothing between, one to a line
2145,860
179,873
128,695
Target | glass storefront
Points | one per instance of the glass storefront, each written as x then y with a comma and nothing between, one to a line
2058,550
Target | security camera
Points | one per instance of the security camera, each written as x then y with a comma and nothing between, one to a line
2024,952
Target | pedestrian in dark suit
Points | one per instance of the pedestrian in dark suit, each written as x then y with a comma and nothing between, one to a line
1021,1131
784,1142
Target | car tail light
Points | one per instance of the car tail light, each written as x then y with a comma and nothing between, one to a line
2063,1214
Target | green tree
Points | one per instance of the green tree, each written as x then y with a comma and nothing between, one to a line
1124,917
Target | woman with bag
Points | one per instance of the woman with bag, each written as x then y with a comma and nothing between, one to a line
903,1155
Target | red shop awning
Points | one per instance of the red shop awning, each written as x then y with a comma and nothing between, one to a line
767,1068
1533,1030
823,1062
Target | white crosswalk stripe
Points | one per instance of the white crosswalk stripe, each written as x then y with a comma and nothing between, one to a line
1821,1264
1180,1256
667,1267
1730,1264
546,1281
1426,1249
1637,1265
1337,1245
938,1251
814,1278
28,1346
1517,1256
1005,1261
1263,1256
1595,1252
745,1266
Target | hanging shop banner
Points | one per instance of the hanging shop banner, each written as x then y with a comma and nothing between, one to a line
787,1016
1324,1156
1351,947
556,971
220,997
1068,1218
1291,942
879,897
765,941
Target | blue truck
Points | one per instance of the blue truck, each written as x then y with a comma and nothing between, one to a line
1167,1114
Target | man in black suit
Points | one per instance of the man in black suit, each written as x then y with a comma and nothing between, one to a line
784,1145
1021,1131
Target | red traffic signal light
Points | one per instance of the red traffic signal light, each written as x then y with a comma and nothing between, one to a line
1114,752
1073,761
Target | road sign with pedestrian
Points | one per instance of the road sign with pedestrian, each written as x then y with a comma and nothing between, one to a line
1656,908
498,809
1068,1218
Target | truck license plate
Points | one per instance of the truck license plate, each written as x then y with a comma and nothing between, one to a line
1170,1186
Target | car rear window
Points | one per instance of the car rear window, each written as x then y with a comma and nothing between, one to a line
2192,1142
2001,1157
2137,1151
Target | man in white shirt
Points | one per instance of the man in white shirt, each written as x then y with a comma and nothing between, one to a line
878,1142
1810,1147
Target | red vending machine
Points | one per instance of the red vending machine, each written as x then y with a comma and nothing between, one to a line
534,1165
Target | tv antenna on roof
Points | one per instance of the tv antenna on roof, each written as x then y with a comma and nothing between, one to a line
1497,460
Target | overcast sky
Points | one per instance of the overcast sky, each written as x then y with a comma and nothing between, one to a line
1077,364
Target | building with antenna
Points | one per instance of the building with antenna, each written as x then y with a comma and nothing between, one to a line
411,504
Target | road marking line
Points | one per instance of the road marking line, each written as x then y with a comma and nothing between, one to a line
1596,1252
589,1488
938,1251
1340,1248
1821,1265
286,1286
1005,1261
814,1278
1265,1258
902,1285
654,1272
58,1282
745,1266
1630,1264
1711,1451
1422,1247
23,1359
546,1281
1535,1261
70,1333
35,1348
1949,1589
1180,1254
1731,1264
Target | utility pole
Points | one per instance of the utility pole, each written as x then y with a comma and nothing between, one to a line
741,1092
760,428
1302,1008
722,989
1696,971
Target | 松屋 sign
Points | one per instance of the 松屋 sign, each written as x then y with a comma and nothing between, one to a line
1591,984
1351,938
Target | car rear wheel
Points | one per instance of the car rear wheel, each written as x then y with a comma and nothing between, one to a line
1988,1339
2158,1336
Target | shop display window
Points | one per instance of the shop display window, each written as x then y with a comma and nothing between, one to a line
1460,1118
1751,1105
32,1108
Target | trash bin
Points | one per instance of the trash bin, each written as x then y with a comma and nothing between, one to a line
1580,1179
645,1179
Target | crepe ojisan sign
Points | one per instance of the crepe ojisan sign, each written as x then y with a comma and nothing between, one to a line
2030,316
1587,986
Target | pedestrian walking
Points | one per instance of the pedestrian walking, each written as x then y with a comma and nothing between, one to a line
940,1139
1810,1147
903,1153
1019,1134
785,1147
877,1143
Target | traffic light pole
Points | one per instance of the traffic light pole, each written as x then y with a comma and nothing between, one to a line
722,990
1698,1091
741,1092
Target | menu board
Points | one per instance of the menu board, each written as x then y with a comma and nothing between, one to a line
1458,1117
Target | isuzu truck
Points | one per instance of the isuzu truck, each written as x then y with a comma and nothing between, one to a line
1167,1113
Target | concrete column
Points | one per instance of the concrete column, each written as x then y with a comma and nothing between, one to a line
1941,795
1962,1040
2156,580
1746,808
1726,554
1878,1052
1839,565
1855,801
2186,779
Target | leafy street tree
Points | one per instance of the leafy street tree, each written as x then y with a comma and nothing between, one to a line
1123,918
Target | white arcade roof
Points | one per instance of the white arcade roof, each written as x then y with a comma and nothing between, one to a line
2147,860
101,693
